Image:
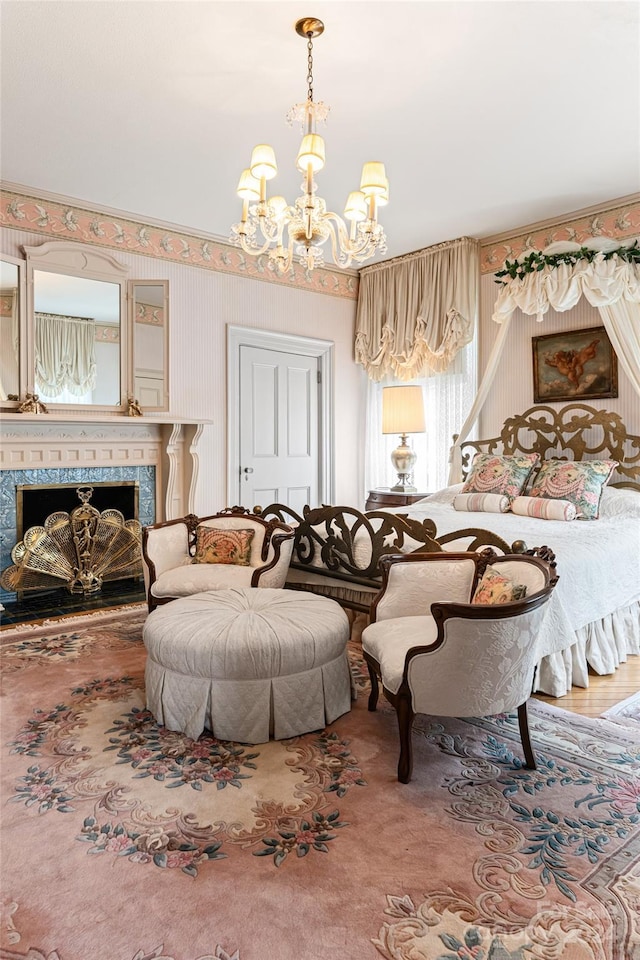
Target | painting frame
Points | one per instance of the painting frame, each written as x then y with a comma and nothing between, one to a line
574,365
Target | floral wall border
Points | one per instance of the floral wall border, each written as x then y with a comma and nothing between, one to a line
617,222
73,221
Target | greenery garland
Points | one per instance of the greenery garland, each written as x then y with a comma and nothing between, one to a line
536,261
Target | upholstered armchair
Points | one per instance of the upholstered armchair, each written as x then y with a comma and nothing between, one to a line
229,549
439,653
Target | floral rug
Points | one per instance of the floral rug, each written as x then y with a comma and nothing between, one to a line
626,712
125,841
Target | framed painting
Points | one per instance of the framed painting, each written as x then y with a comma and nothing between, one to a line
574,365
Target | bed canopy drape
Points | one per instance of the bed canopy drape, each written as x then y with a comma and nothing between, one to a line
609,280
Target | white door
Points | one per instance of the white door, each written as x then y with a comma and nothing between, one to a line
279,435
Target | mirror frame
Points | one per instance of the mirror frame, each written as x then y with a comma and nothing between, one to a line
76,260
131,298
11,405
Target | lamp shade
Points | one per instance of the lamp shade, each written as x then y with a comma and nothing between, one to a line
356,206
402,410
277,207
311,153
373,182
248,187
383,198
263,162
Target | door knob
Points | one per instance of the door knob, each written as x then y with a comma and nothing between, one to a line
248,469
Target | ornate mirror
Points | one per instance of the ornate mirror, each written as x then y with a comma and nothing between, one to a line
77,348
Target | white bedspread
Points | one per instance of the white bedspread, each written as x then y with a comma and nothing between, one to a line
598,563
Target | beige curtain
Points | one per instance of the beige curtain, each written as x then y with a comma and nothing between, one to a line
65,356
416,312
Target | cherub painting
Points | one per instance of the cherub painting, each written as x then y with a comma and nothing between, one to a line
573,365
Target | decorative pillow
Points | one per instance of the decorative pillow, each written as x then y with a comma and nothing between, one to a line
619,502
544,509
481,502
580,482
491,473
497,588
214,545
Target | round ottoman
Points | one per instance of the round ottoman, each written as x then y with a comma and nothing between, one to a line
247,663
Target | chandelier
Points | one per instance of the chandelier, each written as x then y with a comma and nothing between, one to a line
299,231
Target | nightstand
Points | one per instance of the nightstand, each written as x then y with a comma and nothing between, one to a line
385,497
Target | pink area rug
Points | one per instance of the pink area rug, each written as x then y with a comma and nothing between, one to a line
626,712
124,841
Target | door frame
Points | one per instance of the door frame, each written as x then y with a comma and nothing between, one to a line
283,343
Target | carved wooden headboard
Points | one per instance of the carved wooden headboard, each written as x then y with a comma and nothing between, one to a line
574,432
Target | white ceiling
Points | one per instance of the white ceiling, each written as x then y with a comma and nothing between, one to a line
488,115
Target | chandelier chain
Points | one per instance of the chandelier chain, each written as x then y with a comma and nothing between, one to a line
310,68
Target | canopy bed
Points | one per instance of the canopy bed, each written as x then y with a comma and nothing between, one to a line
594,615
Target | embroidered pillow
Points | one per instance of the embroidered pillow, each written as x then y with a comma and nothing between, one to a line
579,482
544,509
214,545
506,475
497,588
481,502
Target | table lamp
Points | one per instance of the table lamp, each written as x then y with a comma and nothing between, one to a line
403,413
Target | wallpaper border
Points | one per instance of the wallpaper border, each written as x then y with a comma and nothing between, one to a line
619,221
75,221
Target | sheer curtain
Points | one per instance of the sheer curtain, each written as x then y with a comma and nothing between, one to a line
447,397
65,358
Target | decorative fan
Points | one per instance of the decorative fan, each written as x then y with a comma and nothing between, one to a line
80,549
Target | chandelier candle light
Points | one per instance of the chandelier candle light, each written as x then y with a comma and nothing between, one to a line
301,229
403,413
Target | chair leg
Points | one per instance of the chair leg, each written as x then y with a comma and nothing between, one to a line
523,722
405,723
375,689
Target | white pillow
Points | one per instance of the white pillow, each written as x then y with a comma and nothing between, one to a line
618,502
446,495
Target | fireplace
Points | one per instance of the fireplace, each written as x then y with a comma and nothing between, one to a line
80,548
36,501
159,453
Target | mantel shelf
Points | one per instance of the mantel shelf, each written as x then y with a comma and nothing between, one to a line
117,419
53,441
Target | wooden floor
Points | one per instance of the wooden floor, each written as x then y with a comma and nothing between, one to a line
602,692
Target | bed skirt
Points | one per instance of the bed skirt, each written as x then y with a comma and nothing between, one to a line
602,645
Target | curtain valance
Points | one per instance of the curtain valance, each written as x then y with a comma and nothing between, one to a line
416,312
64,354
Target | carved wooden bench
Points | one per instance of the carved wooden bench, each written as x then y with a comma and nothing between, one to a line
337,550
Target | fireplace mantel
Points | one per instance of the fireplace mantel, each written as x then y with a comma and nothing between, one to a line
168,442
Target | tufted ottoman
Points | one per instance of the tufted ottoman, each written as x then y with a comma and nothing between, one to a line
247,662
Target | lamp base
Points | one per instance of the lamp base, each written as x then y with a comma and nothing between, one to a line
403,458
402,487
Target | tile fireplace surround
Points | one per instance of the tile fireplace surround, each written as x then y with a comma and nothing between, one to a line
161,453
